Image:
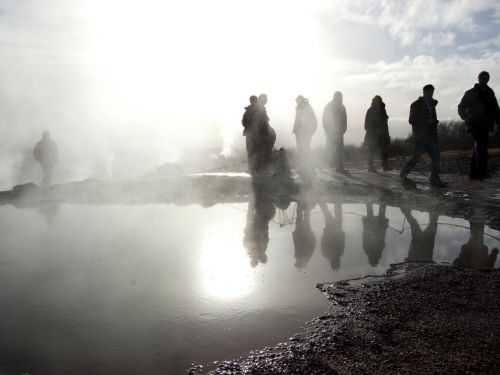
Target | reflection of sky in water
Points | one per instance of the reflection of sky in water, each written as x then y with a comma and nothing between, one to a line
139,283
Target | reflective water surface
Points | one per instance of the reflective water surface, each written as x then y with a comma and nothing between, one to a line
153,288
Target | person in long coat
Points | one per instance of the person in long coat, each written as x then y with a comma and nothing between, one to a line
304,126
335,125
377,139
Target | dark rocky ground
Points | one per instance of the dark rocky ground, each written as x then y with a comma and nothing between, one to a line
419,319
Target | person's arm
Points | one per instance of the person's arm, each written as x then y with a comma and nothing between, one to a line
463,108
344,120
497,109
412,117
245,119
314,120
367,120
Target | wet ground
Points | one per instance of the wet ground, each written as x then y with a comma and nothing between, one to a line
140,286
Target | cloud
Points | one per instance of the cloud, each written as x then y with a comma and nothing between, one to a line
419,21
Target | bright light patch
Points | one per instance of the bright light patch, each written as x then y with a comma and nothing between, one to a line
225,268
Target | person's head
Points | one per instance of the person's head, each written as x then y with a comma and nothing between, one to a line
262,99
337,97
428,91
300,99
377,101
253,99
483,78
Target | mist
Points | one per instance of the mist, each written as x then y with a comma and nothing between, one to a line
125,87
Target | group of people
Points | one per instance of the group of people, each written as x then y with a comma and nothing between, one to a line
478,108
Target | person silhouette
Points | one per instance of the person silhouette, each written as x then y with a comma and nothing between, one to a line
46,153
304,127
480,111
335,126
374,230
422,241
377,137
424,122
265,136
474,253
333,239
260,211
249,124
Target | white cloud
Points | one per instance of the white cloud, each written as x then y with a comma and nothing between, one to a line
418,21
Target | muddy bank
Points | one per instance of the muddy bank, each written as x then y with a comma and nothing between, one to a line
427,319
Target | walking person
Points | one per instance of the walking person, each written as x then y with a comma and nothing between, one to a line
304,126
479,108
424,122
335,125
377,139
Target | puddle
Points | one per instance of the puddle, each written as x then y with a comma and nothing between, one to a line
154,288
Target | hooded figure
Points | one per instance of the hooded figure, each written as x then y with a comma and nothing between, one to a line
304,126
377,137
479,108
335,125
46,153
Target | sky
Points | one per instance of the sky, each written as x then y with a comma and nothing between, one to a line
124,86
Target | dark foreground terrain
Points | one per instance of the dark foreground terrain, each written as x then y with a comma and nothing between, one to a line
419,319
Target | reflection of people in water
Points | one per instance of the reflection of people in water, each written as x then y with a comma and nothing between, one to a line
422,241
303,236
374,228
256,235
474,253
333,240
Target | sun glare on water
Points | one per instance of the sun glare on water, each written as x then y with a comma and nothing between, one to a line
224,266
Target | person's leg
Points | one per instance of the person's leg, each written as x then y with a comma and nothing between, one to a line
384,154
474,160
482,151
435,154
370,152
410,164
340,154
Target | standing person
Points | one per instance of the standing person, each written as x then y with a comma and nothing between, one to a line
424,122
265,136
304,126
479,108
46,153
335,125
377,137
249,123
